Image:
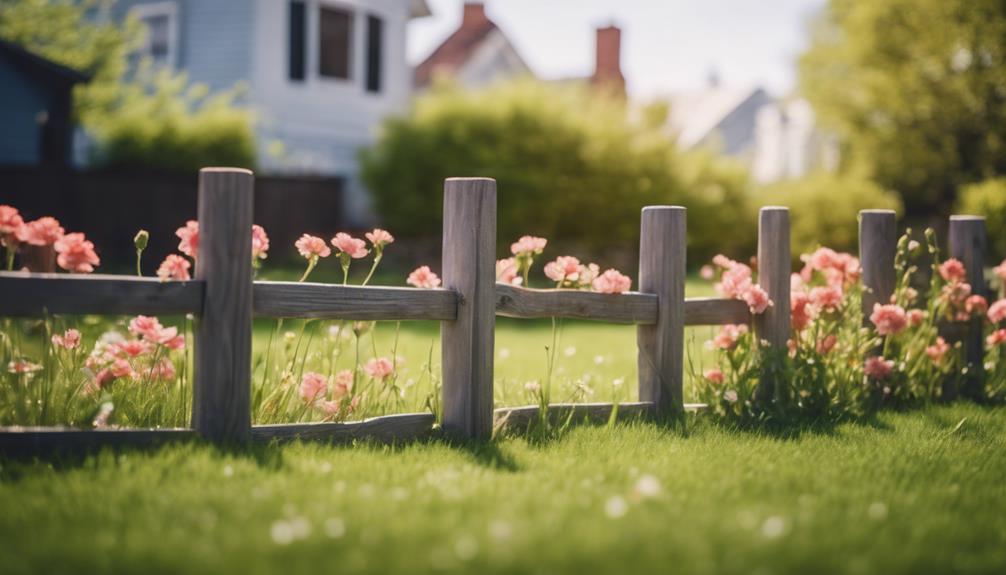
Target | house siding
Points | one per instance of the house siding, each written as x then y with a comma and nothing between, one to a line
22,101
215,38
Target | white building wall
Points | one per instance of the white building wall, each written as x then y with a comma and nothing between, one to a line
317,126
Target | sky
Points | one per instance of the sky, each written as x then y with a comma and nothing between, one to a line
667,45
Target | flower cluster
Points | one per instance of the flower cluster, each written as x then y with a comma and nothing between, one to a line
143,357
176,267
564,271
736,282
73,252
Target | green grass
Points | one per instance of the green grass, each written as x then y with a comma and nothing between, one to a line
911,493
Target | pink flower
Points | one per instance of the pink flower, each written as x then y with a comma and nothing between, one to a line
736,278
937,350
347,244
189,236
838,269
952,270
756,298
260,243
41,232
313,387
343,383
801,312
827,344
132,348
878,367
1000,271
707,272
997,312
889,319
164,370
76,254
10,222
916,317
69,340
164,336
827,299
23,366
528,245
714,376
173,343
423,277
506,271
587,274
998,337
379,368
174,267
379,238
824,258
976,305
312,247
331,408
103,378
563,269
729,335
145,326
121,368
611,281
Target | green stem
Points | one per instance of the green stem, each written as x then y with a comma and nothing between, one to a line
373,268
310,267
139,272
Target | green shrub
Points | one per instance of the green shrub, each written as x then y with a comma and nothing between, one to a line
162,120
570,165
988,199
824,208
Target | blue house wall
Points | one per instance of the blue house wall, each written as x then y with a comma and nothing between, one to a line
21,101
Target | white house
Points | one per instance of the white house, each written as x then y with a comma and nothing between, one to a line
321,74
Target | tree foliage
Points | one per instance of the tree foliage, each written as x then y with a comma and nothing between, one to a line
139,117
570,164
988,199
917,90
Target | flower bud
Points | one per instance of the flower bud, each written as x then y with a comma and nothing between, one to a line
141,239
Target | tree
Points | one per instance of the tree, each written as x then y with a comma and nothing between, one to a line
917,91
570,163
139,117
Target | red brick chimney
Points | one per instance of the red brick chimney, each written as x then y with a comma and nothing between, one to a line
474,15
608,64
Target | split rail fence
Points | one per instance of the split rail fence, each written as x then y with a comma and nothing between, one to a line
224,298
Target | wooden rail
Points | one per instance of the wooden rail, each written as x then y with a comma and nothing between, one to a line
325,301
33,295
225,298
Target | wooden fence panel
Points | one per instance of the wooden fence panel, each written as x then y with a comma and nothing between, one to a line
967,244
878,243
774,270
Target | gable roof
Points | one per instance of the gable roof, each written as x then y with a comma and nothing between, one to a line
695,115
39,68
455,51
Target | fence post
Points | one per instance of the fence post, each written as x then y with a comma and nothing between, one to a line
967,244
221,406
773,326
662,252
469,268
878,243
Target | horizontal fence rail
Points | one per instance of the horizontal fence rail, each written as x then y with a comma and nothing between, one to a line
325,301
225,299
24,294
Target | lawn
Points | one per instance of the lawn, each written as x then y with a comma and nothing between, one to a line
909,493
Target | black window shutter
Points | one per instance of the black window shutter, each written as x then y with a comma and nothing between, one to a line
298,39
375,44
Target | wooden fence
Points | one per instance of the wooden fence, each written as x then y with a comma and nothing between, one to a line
225,298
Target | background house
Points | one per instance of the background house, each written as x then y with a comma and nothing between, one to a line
321,74
36,109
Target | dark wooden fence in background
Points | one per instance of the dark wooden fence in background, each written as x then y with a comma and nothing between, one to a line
109,207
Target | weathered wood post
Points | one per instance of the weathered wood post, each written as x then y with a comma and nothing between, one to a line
469,267
221,405
967,244
773,326
878,243
662,252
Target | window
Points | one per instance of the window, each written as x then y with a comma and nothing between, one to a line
335,29
375,40
160,41
298,46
